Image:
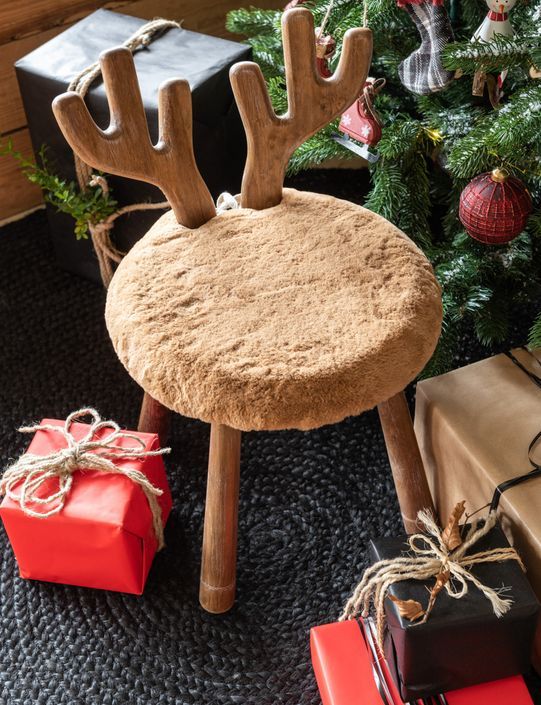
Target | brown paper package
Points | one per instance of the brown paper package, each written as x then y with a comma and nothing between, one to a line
474,426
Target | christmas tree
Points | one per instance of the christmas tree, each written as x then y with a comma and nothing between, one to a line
437,136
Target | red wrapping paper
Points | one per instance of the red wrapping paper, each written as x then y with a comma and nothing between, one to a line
343,669
103,537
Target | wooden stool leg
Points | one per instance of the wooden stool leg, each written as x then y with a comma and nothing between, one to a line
219,560
154,418
406,462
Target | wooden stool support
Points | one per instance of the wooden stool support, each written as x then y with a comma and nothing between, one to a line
125,149
406,462
219,560
154,418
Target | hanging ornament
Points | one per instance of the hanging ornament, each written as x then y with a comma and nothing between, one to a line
496,22
422,71
487,88
325,48
360,125
494,207
535,72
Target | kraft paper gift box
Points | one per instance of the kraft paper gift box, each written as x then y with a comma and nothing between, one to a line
474,426
343,669
104,536
204,61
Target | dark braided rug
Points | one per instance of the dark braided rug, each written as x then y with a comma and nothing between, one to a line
309,502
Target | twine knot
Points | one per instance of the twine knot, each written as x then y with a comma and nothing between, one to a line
431,557
28,480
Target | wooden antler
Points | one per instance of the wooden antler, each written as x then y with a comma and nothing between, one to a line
313,102
125,149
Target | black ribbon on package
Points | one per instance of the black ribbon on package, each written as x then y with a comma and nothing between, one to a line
204,61
463,642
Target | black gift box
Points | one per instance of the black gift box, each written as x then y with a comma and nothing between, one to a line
462,643
219,141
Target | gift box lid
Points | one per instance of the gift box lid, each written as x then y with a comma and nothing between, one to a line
177,53
99,497
474,607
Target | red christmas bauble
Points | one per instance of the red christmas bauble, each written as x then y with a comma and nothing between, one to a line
494,207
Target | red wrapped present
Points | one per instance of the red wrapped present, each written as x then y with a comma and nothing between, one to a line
347,673
86,504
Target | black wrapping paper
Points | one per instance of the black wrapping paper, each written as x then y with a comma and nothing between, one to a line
219,141
462,643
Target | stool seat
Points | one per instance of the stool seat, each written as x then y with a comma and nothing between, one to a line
291,317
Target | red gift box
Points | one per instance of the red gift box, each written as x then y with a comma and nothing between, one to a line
343,667
104,535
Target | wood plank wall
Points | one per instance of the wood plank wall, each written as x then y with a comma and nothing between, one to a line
26,25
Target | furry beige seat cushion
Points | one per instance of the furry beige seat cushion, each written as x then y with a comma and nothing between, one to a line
291,317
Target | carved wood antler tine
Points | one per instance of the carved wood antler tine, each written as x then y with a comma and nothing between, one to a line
356,56
125,149
299,56
74,120
313,101
118,70
194,204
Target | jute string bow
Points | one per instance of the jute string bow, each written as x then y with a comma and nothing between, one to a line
23,481
100,233
431,557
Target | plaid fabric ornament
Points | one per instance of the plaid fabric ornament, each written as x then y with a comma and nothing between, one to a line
422,72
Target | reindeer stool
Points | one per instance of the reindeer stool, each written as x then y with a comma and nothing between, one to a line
294,311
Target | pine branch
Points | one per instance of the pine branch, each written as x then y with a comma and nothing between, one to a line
512,136
492,323
267,52
499,54
451,330
316,150
534,337
253,22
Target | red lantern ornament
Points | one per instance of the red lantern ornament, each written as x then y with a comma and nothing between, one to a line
494,207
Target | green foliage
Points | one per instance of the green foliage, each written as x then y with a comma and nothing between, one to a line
85,207
253,22
534,338
432,146
511,136
401,191
500,54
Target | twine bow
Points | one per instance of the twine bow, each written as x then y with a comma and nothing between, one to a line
430,557
31,473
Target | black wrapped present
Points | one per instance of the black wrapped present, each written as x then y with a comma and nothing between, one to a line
463,642
204,61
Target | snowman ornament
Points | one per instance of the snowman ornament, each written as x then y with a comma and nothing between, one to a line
496,22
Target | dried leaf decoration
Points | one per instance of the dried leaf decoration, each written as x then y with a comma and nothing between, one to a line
409,609
451,535
441,581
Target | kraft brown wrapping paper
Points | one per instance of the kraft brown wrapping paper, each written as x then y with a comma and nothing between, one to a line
474,426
